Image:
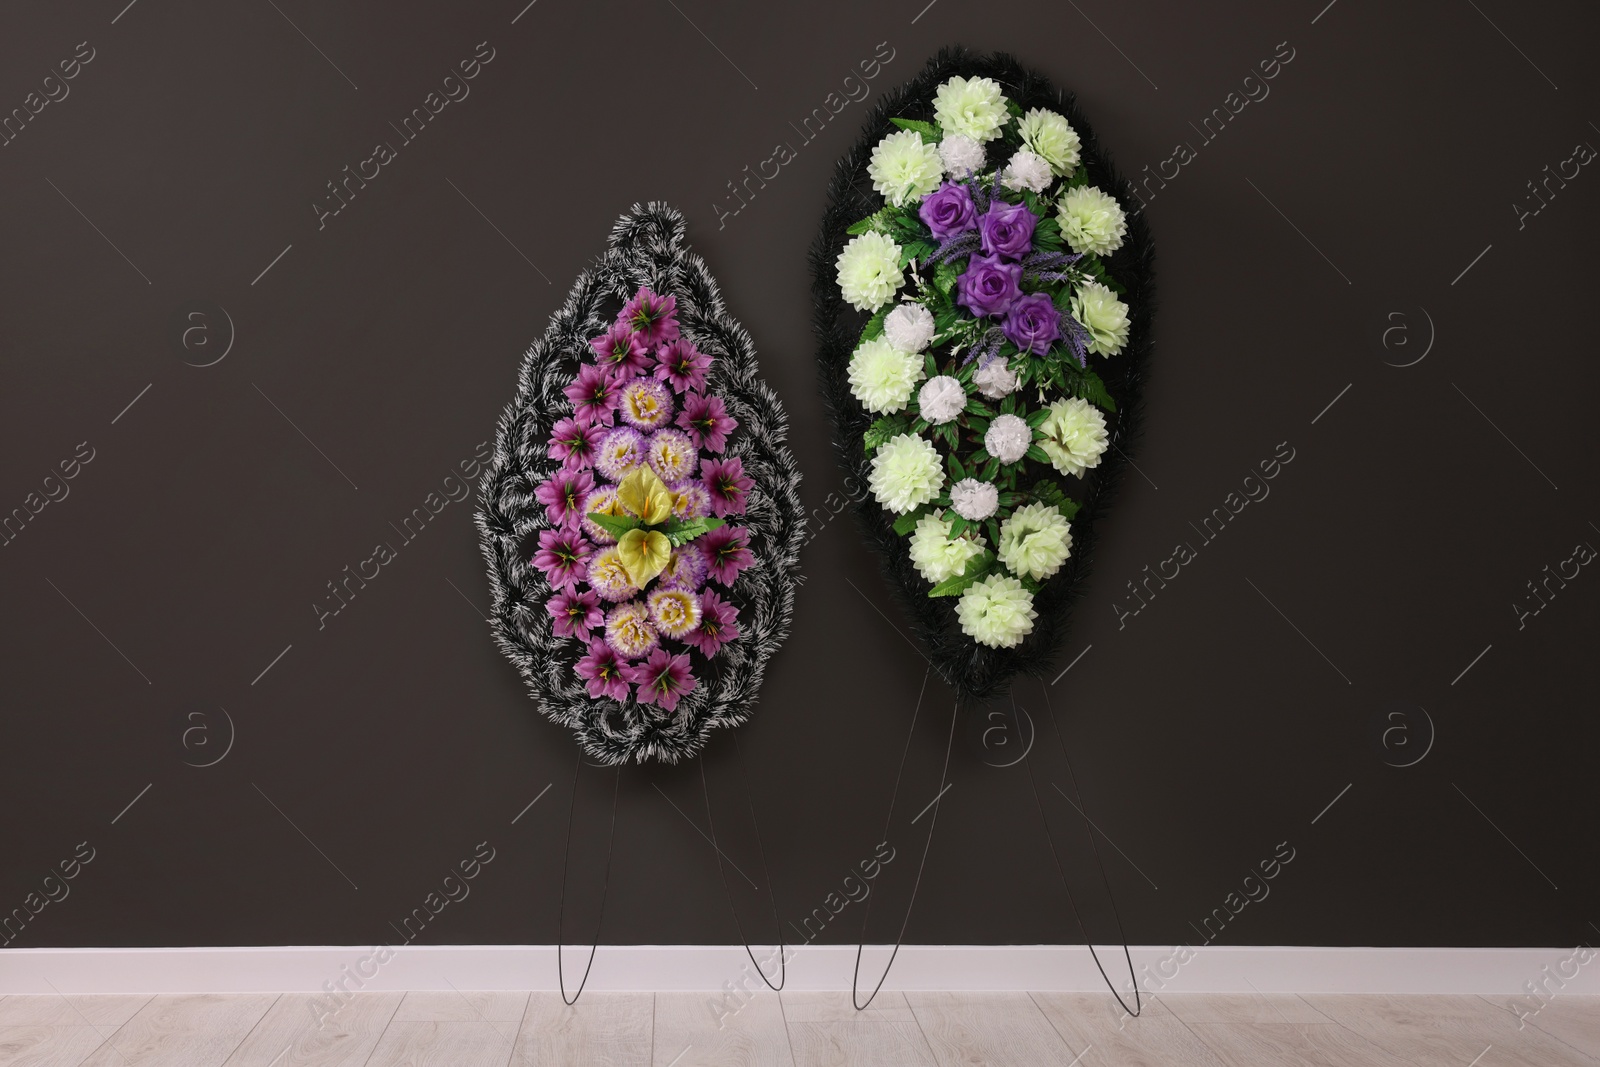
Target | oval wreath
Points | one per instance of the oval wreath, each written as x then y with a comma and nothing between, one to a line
983,299
641,516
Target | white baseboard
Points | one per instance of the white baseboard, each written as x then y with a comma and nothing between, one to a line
669,968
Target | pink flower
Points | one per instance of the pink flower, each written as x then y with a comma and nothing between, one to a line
707,420
682,366
662,679
604,672
563,556
562,496
573,443
727,550
728,485
594,395
653,318
576,613
718,624
619,348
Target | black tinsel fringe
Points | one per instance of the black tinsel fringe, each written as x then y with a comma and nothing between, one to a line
973,670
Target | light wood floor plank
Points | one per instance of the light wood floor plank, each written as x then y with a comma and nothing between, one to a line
465,1006
1441,1029
289,1034
1241,1009
1312,1044
825,1030
1095,1025
690,1033
183,1030
106,1012
600,1030
47,1046
998,1029
1575,1020
444,1044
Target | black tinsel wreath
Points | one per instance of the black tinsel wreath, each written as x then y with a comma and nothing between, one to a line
974,670
647,247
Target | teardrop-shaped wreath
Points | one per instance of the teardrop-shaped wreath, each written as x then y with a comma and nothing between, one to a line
641,516
984,293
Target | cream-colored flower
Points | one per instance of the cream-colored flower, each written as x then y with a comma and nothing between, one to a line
1052,137
996,611
1073,436
1103,315
1092,221
906,473
869,271
904,169
882,376
935,556
1035,541
972,107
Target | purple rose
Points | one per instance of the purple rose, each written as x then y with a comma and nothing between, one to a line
990,285
1007,229
1033,323
948,211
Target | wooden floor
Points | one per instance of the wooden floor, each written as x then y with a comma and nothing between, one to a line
682,1030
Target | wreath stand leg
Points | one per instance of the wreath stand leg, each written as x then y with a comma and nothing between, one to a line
566,859
766,873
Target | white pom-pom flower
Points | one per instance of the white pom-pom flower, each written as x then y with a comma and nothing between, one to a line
961,155
1103,315
909,327
904,169
882,376
974,500
1027,170
972,107
996,380
1073,436
1092,221
935,555
1050,136
941,399
906,473
1035,541
997,612
869,271
1008,438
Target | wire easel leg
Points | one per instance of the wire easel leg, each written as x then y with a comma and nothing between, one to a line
566,858
766,873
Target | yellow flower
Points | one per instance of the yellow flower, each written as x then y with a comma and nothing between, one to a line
647,498
643,554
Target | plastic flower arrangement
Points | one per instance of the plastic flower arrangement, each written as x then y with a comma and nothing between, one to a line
991,308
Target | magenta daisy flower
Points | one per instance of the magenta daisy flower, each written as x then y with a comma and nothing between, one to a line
663,679
629,630
728,485
603,500
690,501
603,670
672,455
653,318
645,404
682,366
620,348
727,552
718,624
562,496
686,569
573,442
563,557
609,577
706,419
621,450
575,613
594,395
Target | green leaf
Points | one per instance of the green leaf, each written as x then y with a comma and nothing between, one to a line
881,431
905,524
976,569
866,225
930,133
1036,419
1087,384
944,278
688,531
958,526
990,469
978,407
1048,492
957,471
615,525
1068,509
874,327
929,366
1037,454
918,250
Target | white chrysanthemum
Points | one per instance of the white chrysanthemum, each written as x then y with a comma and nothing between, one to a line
996,380
974,500
941,399
1007,438
904,169
1027,171
1103,315
882,376
906,473
961,155
1073,436
1092,221
869,271
909,327
972,107
1035,541
1052,137
935,556
997,612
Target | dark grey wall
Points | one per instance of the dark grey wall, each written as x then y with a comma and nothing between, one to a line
1359,617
